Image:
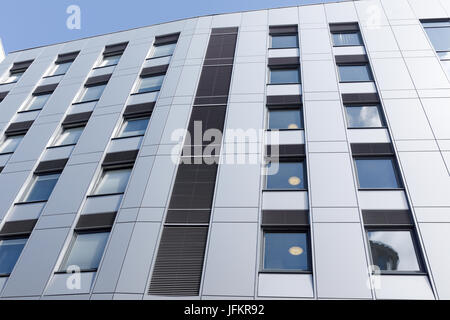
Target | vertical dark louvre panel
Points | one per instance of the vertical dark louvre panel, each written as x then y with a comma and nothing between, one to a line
179,262
178,267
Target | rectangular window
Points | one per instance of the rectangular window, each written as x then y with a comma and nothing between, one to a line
347,39
284,41
150,84
286,175
284,76
60,69
37,102
286,251
364,117
285,119
109,61
355,73
10,250
10,144
113,181
439,34
394,250
92,93
163,50
377,173
134,127
13,77
86,251
69,136
40,188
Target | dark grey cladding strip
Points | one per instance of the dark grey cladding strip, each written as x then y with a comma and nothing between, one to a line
283,29
115,49
284,100
67,57
360,98
284,62
387,218
52,166
122,158
77,119
286,150
367,149
194,187
3,95
351,59
139,110
154,71
96,221
18,128
18,228
49,88
166,39
285,218
21,66
98,80
344,27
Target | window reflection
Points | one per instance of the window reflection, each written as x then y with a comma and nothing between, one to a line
364,117
347,39
282,76
285,119
286,175
377,173
286,251
285,41
393,250
355,73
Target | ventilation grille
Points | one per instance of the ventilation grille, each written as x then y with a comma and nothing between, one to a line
178,267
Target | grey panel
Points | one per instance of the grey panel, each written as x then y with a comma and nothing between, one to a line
52,166
18,228
49,88
364,149
283,29
285,218
387,218
67,57
18,128
96,221
343,27
166,39
122,158
98,80
115,49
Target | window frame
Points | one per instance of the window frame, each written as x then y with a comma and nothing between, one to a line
283,35
380,113
415,243
287,68
9,137
349,45
367,65
62,269
9,238
396,167
99,63
152,52
84,91
302,230
125,121
31,100
51,72
30,186
6,79
286,160
104,170
139,83
61,131
286,108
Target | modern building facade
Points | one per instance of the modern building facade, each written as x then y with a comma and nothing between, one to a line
331,179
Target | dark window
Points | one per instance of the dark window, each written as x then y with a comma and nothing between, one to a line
394,250
364,117
284,41
285,119
10,250
284,76
286,251
347,39
41,188
377,173
355,73
286,175
86,251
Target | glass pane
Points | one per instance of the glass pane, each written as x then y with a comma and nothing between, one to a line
61,68
87,251
436,24
446,64
440,38
166,50
113,181
355,73
38,102
377,173
286,251
284,76
110,61
285,175
285,119
41,188
347,39
363,117
444,55
393,250
92,93
279,42
69,136
10,251
10,144
151,84
134,127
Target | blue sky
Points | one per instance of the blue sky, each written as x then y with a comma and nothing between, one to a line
41,22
